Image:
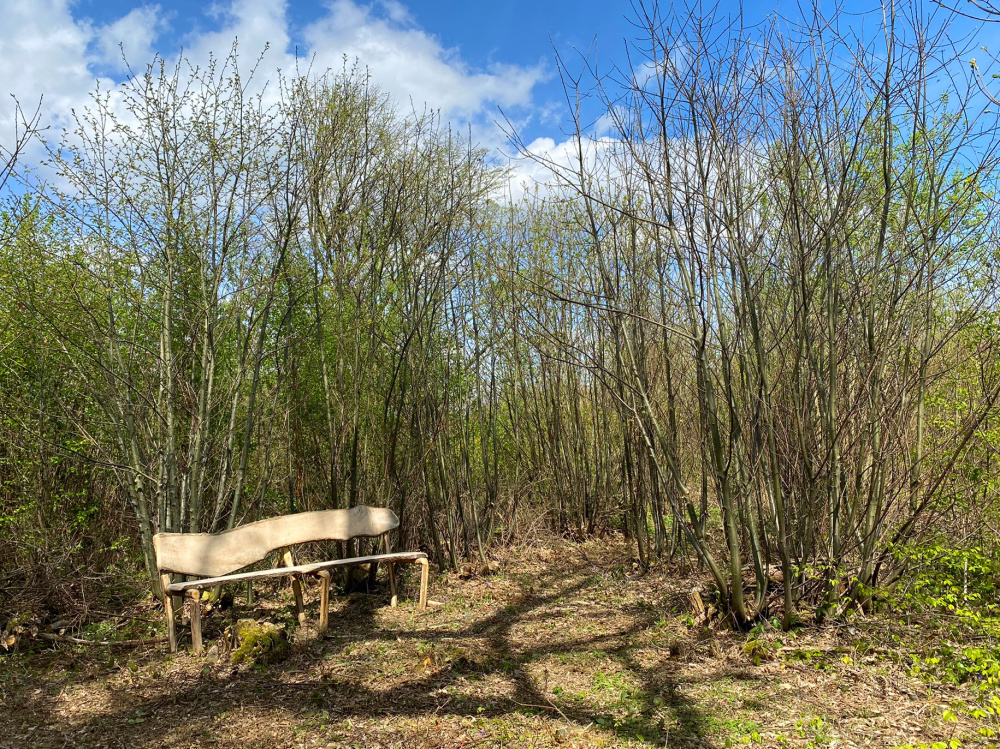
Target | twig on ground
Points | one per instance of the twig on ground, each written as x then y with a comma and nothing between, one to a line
105,643
550,706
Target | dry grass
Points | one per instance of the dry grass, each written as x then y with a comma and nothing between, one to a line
566,646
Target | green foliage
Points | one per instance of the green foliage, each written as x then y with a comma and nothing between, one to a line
758,650
979,667
961,582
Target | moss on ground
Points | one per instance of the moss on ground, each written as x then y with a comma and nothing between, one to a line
259,642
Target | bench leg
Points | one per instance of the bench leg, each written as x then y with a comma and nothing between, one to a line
300,610
195,604
424,572
168,610
168,606
324,601
391,568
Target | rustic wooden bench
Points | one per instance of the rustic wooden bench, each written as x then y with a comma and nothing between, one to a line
213,557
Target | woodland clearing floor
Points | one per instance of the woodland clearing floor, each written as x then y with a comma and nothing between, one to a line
565,646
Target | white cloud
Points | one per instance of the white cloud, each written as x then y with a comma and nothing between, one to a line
254,24
397,12
410,63
553,166
673,66
133,34
608,123
47,51
43,51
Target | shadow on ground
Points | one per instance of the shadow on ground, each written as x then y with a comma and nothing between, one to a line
485,671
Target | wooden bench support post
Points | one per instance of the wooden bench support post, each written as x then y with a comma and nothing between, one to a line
194,603
324,601
168,609
394,599
424,572
300,609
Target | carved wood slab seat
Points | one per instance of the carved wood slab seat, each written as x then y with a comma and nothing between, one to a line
213,558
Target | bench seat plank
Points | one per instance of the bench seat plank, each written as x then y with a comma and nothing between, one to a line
301,569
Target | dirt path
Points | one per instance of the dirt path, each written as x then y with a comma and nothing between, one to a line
563,647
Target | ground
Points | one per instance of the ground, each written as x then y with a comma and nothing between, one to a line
563,646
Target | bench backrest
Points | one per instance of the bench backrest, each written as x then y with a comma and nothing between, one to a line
215,554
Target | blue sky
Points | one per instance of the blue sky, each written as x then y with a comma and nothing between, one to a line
464,58
482,32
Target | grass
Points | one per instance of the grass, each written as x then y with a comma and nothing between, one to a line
564,647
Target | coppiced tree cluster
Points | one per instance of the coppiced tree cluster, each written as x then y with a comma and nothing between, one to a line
752,325
792,243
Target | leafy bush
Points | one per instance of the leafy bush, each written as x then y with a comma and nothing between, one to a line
961,582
